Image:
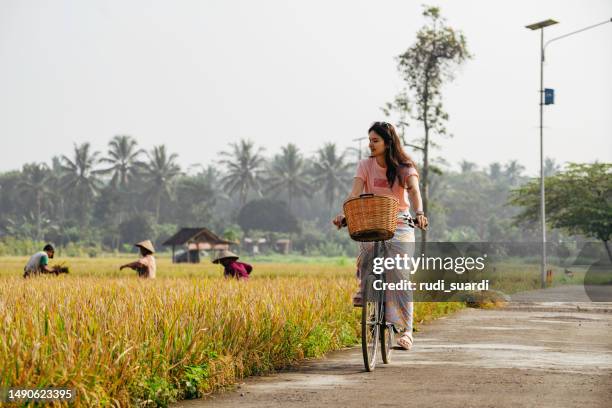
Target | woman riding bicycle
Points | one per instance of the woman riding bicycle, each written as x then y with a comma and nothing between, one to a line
390,171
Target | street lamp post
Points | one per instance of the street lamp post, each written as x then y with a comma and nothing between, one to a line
540,26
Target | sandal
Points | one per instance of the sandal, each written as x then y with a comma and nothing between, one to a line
405,340
357,300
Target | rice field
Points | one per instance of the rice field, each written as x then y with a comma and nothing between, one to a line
123,341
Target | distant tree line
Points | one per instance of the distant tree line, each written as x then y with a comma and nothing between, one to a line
109,200
113,198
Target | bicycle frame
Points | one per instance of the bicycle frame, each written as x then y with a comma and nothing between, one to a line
375,327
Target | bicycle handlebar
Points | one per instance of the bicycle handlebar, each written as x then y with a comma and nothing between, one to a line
404,217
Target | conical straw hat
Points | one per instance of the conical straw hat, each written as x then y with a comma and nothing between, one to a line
146,244
225,254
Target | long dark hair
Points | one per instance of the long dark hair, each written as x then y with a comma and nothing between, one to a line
396,158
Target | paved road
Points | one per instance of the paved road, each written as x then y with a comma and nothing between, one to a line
529,355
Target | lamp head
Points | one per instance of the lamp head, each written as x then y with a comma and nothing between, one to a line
541,24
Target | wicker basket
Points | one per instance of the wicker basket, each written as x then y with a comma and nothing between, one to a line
371,217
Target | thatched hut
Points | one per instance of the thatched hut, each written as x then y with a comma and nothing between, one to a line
194,240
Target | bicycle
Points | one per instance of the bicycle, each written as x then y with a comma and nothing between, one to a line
374,327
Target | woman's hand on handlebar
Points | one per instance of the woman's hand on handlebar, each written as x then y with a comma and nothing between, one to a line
339,221
422,222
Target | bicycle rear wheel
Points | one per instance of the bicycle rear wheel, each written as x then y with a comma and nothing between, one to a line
370,316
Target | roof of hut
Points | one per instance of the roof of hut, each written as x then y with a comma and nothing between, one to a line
195,235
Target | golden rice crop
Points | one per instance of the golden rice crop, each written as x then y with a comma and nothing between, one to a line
125,341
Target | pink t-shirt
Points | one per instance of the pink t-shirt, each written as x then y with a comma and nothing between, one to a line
375,179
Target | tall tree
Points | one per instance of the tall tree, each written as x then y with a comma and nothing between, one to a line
467,166
578,200
55,181
288,172
244,164
551,167
159,172
268,215
330,173
195,199
8,185
34,185
80,178
430,62
123,157
495,171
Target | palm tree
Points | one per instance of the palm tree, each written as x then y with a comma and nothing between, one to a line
123,156
513,172
243,163
160,172
80,178
495,171
288,172
330,173
34,184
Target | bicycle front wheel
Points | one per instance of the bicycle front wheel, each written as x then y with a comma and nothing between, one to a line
370,318
387,338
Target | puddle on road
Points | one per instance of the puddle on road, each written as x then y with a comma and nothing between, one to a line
569,318
502,355
541,320
513,328
302,381
487,346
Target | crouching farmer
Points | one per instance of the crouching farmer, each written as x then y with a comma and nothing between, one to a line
39,262
233,268
146,265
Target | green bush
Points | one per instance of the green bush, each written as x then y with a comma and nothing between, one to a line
194,379
326,249
156,392
10,246
318,342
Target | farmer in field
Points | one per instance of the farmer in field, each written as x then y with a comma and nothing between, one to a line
389,171
39,262
146,265
233,268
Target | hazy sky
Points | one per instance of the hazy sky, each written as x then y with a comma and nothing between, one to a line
196,75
